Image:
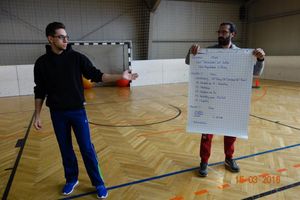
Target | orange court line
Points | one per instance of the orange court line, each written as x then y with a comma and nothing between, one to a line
224,186
200,192
177,198
264,175
281,170
297,165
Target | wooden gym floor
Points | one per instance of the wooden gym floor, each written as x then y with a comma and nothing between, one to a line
146,154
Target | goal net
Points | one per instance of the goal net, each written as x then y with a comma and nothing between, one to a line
110,57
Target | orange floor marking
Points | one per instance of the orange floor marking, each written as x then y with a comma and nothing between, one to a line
227,185
297,165
264,175
177,198
224,186
200,192
281,170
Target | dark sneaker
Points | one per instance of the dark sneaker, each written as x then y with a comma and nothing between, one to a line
101,192
69,187
203,169
231,165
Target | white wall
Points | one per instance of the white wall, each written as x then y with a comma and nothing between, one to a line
286,68
274,26
8,81
162,71
16,80
25,79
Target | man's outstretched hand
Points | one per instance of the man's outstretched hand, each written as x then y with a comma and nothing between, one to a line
129,76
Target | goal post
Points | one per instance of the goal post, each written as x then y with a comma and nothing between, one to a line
108,56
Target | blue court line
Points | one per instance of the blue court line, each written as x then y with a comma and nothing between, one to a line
14,169
257,196
182,171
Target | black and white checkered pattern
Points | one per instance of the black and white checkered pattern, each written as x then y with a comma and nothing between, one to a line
128,43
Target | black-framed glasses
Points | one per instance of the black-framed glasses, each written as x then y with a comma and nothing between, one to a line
62,37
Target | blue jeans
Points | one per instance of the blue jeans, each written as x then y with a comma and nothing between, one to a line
62,122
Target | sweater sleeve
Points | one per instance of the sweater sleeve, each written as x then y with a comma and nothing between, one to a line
89,71
258,68
39,89
187,58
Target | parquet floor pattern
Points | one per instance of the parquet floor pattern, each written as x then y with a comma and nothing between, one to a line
140,138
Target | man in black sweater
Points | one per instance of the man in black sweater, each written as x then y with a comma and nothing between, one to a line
58,78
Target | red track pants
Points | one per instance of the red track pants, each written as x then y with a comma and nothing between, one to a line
205,146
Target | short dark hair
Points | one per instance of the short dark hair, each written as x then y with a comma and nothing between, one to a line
52,27
232,27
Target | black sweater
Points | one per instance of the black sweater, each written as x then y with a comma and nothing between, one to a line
59,78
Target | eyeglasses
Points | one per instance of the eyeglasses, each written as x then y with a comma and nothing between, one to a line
62,37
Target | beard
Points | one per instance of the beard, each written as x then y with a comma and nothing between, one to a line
62,47
223,41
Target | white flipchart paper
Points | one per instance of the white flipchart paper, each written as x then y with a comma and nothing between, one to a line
220,91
